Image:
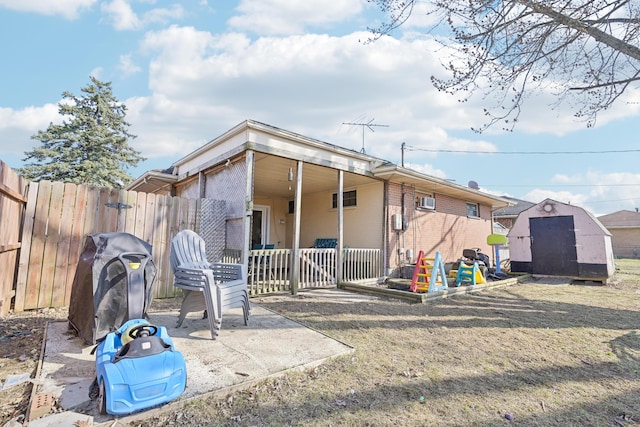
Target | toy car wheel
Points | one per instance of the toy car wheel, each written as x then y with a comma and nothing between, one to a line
102,400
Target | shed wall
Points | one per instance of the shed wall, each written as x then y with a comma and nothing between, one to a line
593,242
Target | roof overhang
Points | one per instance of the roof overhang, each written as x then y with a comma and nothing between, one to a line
427,183
153,182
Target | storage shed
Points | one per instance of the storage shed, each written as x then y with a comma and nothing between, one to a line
557,239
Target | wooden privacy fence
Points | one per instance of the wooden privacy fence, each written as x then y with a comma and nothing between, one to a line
13,190
54,222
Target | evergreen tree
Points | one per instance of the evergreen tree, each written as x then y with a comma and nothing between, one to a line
90,146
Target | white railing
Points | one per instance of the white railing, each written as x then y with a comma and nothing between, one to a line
317,267
361,264
269,269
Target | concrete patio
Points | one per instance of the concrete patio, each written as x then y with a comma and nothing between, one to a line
241,355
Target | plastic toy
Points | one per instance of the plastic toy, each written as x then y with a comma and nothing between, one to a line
137,367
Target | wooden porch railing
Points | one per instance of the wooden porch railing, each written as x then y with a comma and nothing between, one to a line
268,269
317,267
361,264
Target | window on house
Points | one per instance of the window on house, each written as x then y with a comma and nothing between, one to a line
348,199
473,210
291,206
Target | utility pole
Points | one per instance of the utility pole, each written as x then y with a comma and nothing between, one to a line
369,125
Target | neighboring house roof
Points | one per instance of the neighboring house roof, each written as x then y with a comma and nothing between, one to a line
514,209
621,219
289,146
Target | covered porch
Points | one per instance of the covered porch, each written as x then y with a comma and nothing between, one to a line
301,233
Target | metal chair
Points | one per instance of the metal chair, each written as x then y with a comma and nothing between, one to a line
223,284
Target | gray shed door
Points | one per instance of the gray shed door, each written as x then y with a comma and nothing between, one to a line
553,246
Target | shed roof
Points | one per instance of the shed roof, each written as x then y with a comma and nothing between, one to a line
548,208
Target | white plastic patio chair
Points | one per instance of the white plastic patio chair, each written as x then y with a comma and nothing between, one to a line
224,285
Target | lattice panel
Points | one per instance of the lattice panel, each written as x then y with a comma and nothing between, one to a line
235,234
228,185
213,227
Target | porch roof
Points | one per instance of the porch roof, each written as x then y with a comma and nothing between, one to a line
154,181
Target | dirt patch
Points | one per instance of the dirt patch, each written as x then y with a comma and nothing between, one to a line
20,346
21,337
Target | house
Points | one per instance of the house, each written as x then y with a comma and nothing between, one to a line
557,239
506,216
624,227
297,194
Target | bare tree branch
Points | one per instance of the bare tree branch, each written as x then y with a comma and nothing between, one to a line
586,51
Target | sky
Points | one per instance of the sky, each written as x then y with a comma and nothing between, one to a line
189,71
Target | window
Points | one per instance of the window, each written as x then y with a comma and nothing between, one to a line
291,206
473,210
348,199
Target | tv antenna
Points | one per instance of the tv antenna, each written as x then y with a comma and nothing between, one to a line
369,125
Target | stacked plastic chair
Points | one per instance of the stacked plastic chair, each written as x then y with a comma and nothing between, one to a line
224,285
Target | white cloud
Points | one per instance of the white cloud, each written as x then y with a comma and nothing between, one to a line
538,195
20,125
127,65
69,9
28,118
316,81
96,72
269,17
428,169
319,81
121,15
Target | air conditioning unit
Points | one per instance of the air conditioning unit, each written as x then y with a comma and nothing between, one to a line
427,203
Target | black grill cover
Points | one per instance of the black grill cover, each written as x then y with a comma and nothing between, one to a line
113,283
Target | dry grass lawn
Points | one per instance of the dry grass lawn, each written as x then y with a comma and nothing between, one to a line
544,353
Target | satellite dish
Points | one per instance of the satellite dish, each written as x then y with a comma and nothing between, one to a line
474,185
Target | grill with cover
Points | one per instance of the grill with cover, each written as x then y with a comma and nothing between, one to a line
113,283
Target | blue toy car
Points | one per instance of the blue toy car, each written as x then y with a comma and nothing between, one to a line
137,368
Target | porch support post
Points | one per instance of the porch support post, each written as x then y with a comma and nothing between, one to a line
248,215
202,185
294,274
386,220
339,252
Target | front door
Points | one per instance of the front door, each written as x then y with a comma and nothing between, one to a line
553,246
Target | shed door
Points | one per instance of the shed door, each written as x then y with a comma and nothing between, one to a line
553,246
